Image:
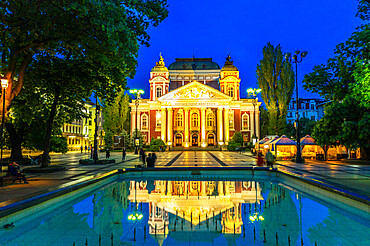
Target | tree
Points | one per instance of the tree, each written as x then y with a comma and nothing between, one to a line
107,31
105,34
156,144
117,114
238,138
306,127
344,80
264,121
276,80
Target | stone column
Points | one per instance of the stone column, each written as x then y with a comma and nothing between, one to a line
133,121
163,124
226,120
186,127
170,131
251,124
219,125
203,127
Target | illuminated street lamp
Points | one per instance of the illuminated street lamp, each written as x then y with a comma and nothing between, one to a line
254,92
137,93
4,85
294,58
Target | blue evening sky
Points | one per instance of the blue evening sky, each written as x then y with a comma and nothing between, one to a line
215,28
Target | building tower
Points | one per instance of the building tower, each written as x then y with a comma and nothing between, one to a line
229,79
159,80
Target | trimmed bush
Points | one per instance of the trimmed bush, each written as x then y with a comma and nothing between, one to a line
86,161
232,145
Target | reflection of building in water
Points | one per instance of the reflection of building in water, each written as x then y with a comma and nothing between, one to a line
195,201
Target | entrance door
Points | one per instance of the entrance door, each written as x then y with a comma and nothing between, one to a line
211,140
178,140
194,140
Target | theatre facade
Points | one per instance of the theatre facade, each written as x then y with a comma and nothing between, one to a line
195,103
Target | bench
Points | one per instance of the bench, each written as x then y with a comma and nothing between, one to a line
9,178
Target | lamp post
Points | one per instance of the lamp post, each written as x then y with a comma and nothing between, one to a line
4,85
294,58
254,92
137,94
95,154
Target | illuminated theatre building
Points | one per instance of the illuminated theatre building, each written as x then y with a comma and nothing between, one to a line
199,203
195,103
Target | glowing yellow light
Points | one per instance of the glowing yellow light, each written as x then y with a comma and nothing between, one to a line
158,115
130,217
204,145
140,217
133,218
266,146
261,218
251,218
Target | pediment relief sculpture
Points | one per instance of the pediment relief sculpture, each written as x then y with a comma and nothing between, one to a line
193,93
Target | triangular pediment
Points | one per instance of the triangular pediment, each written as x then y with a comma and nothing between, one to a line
195,91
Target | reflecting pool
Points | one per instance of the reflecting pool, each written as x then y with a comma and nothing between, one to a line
181,211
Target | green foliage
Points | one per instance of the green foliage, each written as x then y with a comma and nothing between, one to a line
156,143
264,122
238,138
276,79
306,127
58,144
233,145
106,34
361,89
344,80
108,139
117,114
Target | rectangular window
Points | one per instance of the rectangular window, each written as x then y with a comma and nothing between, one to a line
313,106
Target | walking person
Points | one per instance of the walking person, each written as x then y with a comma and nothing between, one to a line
123,154
81,148
269,159
142,155
107,153
260,160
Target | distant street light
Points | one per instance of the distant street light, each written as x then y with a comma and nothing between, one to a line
4,85
137,93
254,92
294,58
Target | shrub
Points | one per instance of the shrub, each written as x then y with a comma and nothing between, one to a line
155,144
232,145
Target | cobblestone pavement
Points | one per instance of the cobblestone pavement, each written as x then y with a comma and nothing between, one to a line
355,178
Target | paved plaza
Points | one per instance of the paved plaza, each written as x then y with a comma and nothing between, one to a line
354,178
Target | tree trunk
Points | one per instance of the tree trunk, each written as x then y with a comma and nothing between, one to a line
49,128
16,139
325,148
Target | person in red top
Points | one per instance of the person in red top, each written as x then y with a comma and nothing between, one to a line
260,160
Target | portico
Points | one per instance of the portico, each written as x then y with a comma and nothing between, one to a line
195,113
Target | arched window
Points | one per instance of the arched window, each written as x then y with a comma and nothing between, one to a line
178,119
245,122
231,119
144,122
159,91
194,120
230,91
158,118
210,120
